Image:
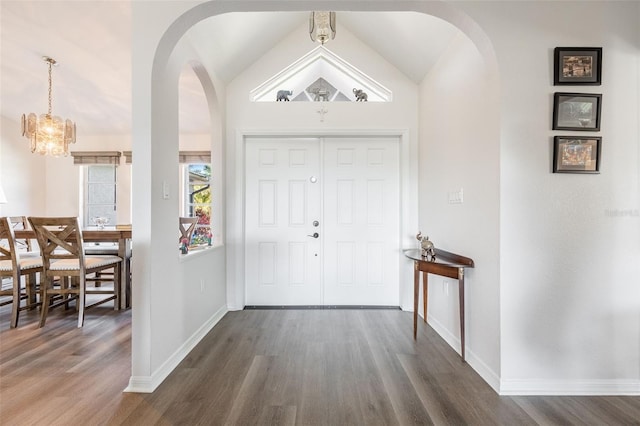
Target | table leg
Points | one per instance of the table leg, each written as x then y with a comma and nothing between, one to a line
425,292
461,297
125,273
416,294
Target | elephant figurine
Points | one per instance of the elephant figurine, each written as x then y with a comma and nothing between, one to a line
360,95
283,95
320,94
427,248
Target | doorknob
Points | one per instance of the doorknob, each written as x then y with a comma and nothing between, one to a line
314,235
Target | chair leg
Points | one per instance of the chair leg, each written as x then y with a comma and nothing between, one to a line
67,294
117,286
15,303
31,284
46,301
81,301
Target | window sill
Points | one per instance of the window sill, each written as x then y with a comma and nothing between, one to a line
198,251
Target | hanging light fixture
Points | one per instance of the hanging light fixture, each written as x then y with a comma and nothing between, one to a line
49,134
322,26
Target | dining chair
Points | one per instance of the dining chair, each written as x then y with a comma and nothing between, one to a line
13,266
19,223
101,249
187,226
62,248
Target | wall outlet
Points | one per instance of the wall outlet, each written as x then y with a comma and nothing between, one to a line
456,197
201,286
445,287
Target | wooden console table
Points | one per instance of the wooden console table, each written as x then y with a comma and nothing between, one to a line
446,264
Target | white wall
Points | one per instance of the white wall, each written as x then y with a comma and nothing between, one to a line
459,149
45,186
176,299
246,116
22,174
570,300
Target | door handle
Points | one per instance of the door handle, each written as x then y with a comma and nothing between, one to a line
314,235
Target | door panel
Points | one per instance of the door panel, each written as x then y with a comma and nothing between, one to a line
282,262
361,214
355,199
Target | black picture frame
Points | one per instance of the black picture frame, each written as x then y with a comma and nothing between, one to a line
577,65
577,111
576,154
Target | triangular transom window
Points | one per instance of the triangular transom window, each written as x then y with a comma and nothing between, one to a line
321,75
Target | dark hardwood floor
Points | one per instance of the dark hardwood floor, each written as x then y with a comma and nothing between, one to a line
268,367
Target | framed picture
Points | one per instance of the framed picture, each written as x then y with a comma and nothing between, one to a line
576,154
576,111
577,65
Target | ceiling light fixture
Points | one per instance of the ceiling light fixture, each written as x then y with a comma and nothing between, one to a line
49,135
322,26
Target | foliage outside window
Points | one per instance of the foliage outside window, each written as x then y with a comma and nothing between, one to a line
100,194
198,200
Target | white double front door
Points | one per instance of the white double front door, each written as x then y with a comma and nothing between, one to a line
322,221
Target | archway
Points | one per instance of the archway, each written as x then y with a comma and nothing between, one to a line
156,339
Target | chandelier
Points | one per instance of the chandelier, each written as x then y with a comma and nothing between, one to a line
49,134
322,26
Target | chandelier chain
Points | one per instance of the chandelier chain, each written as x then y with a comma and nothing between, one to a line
49,113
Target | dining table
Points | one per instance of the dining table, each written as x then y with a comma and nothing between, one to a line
120,234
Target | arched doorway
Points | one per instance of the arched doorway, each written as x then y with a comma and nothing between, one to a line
155,352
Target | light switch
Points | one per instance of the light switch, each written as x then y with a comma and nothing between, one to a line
165,190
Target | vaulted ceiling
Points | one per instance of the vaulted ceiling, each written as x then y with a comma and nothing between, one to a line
92,43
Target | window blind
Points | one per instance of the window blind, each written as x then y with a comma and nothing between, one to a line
96,157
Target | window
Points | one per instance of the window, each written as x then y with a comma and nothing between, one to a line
197,199
99,194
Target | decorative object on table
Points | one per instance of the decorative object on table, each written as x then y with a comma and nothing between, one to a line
577,65
360,95
184,246
100,221
283,95
577,111
49,134
322,26
427,250
576,154
209,238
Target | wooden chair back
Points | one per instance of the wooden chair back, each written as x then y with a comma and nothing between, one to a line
21,222
187,226
8,252
14,267
59,238
61,244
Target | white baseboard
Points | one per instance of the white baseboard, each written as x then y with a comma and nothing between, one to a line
570,387
533,386
147,384
233,308
487,374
